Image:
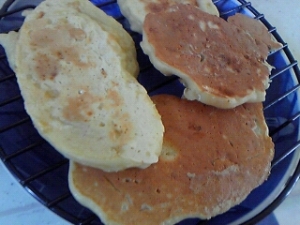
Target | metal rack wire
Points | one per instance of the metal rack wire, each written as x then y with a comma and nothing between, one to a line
43,171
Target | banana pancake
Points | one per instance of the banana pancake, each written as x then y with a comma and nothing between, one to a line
136,10
211,160
78,91
219,63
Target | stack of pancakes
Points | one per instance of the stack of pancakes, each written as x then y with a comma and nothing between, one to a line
216,147
78,82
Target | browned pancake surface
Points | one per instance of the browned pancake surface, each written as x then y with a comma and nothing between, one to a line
162,5
212,159
220,58
135,11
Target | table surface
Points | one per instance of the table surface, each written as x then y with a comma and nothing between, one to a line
18,207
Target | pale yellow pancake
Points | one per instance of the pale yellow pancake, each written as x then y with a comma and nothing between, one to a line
79,92
211,160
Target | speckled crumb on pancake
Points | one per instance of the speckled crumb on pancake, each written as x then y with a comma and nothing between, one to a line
78,93
219,63
212,159
136,10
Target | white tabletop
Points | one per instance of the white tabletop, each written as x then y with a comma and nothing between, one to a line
18,207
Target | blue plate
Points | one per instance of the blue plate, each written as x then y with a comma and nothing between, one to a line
43,171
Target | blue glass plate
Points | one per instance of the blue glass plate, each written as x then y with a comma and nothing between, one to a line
43,171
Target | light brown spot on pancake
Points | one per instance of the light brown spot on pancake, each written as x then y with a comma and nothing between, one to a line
79,108
77,33
57,45
46,67
51,94
71,55
44,36
115,98
62,35
120,133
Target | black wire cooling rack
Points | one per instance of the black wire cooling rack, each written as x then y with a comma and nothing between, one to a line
42,171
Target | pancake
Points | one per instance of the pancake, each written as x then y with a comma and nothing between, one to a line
211,160
135,11
78,92
219,63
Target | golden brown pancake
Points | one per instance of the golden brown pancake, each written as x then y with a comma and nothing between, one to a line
211,160
219,63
